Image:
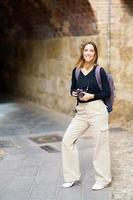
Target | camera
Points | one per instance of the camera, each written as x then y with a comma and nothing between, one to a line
79,93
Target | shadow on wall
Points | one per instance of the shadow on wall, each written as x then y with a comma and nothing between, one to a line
129,6
46,19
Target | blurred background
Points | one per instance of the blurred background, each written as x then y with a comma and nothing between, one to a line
39,45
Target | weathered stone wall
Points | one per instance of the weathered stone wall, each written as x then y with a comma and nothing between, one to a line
41,70
39,63
121,49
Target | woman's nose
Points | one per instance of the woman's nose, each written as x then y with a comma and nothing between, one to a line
88,53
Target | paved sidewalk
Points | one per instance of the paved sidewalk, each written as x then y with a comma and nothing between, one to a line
29,172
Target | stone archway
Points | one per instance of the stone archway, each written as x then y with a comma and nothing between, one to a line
129,5
46,19
35,37
72,18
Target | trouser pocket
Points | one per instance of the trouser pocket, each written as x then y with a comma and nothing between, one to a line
101,160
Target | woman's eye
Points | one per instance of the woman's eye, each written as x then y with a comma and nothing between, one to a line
91,50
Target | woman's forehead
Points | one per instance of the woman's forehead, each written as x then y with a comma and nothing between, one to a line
89,46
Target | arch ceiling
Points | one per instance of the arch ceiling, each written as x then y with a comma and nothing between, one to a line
46,19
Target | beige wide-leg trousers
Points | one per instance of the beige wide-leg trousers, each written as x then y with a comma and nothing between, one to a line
93,114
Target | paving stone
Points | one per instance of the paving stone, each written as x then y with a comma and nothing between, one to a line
15,195
42,192
21,183
27,171
33,162
70,193
10,166
13,129
97,195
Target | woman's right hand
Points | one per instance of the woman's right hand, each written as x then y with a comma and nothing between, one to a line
74,94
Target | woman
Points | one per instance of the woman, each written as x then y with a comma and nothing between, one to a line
91,112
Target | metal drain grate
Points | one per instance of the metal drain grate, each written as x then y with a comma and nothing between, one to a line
117,129
6,144
46,139
49,149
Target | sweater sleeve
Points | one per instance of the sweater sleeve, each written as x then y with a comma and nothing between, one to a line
73,81
105,92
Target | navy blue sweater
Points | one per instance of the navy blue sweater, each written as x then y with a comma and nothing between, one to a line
89,84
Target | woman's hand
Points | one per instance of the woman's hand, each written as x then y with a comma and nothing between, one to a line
74,94
87,96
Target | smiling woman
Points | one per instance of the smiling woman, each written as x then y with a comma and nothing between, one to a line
88,51
91,111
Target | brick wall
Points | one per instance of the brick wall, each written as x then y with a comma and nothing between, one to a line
121,56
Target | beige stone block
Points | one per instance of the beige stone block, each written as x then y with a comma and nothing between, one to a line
115,52
122,113
74,48
124,91
57,48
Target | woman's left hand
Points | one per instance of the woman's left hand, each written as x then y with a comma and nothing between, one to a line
87,96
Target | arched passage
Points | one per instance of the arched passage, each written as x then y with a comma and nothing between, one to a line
39,36
46,19
129,5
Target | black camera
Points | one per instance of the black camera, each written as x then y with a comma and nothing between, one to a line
80,93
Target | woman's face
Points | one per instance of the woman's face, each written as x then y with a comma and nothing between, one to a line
89,53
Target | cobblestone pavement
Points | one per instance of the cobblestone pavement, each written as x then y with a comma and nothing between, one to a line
122,165
31,169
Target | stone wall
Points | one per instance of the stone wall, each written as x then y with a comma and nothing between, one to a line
38,63
41,70
121,49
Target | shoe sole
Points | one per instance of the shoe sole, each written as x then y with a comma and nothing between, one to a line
103,187
68,186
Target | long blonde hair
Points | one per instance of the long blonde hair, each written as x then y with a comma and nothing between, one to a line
81,60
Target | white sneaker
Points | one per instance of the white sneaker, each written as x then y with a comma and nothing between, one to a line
99,186
68,184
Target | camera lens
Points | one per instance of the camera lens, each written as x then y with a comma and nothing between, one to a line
81,94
